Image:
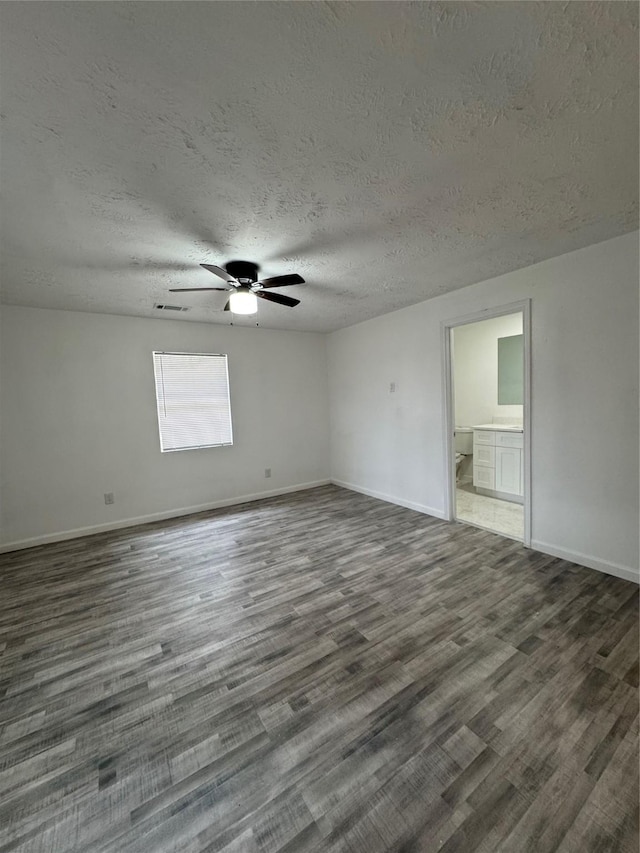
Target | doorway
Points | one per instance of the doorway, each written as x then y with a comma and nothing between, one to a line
487,420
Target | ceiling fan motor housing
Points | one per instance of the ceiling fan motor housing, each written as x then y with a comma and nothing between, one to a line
243,270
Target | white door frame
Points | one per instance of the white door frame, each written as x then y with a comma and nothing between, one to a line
524,307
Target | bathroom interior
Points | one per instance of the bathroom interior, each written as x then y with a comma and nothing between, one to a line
488,384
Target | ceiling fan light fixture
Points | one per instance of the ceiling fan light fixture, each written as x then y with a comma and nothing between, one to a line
243,302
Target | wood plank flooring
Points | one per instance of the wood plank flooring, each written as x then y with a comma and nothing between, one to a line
315,672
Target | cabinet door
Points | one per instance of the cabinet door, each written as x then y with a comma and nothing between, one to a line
508,470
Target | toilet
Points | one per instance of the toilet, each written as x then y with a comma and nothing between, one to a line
463,444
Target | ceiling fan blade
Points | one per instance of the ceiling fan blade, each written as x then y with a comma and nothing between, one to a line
223,274
195,289
279,298
227,307
282,280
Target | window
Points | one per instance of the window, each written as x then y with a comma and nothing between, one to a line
192,391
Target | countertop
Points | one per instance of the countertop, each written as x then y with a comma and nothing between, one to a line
499,427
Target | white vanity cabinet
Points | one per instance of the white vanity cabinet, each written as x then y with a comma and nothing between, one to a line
498,461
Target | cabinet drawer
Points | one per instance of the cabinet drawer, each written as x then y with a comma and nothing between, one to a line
484,455
509,439
484,436
484,477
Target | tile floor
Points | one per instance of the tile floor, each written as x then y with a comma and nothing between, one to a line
490,513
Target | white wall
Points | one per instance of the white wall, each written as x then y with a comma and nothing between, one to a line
475,371
584,401
1,402
78,410
79,419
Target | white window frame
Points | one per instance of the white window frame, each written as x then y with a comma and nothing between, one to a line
161,401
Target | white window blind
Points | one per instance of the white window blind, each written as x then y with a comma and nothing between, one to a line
192,391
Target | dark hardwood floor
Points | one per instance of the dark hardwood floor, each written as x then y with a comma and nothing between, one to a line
320,671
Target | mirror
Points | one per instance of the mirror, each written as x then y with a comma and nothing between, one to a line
511,371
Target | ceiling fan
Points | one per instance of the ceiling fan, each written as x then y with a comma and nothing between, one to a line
244,287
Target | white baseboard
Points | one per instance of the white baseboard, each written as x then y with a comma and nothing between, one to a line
614,569
426,510
154,516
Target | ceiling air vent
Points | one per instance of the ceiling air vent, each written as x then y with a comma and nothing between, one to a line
161,306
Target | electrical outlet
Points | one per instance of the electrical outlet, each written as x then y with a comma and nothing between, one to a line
267,473
392,387
108,498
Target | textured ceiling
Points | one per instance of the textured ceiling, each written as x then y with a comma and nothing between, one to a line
388,152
